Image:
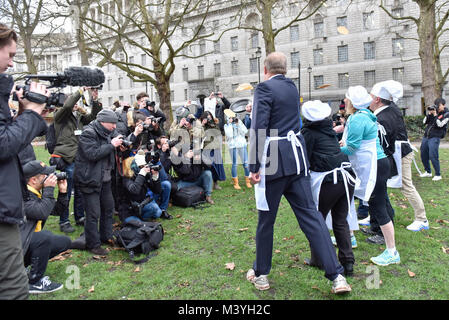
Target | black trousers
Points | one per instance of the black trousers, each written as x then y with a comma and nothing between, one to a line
297,191
379,204
333,198
44,245
99,207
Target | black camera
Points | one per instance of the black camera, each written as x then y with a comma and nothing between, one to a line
172,143
235,120
126,143
155,167
61,176
149,103
152,157
432,108
73,76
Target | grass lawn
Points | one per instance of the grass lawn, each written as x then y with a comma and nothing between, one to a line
199,243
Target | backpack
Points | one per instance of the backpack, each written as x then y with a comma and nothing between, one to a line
189,196
50,139
139,237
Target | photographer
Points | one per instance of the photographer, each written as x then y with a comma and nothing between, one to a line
148,107
139,179
93,165
69,122
235,132
122,114
191,170
15,134
189,130
212,142
436,126
41,245
219,108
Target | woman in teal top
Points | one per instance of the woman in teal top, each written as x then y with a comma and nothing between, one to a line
360,132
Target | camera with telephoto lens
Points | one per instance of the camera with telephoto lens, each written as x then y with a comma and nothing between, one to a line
172,143
235,120
432,108
61,176
155,167
73,76
126,143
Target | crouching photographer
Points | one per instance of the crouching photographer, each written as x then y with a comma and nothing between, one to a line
192,170
140,178
41,245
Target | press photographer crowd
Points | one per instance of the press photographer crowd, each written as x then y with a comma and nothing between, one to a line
126,160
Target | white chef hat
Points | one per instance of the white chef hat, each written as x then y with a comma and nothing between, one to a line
359,97
389,90
315,110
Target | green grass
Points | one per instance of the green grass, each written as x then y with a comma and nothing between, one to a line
191,262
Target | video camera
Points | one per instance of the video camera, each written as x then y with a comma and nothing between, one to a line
73,76
432,108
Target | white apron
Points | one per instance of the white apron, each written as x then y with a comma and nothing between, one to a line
259,188
364,164
396,181
317,180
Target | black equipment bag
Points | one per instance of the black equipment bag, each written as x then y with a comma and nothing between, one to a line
189,196
139,237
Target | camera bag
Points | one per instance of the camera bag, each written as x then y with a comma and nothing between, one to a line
139,237
189,196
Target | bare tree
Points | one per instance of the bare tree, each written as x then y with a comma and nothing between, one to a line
291,13
151,28
431,26
35,22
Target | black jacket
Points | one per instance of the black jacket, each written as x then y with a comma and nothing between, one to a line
15,135
402,134
95,155
36,209
323,149
189,171
436,126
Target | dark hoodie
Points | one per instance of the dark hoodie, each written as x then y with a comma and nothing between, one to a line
323,149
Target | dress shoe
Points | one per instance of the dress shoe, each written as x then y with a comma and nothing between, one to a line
99,251
166,216
349,269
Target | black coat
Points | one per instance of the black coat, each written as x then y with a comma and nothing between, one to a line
15,135
435,128
36,209
95,155
323,150
189,171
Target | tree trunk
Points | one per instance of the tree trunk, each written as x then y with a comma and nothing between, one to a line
32,68
427,37
163,90
267,26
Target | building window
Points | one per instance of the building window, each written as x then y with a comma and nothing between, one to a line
234,67
217,69
252,65
294,33
120,82
109,101
317,56
368,20
370,78
109,84
398,74
318,27
131,83
294,56
254,40
398,46
201,72
217,46
132,97
397,12
234,43
370,50
343,23
202,46
185,74
143,59
343,80
318,81
342,53
186,96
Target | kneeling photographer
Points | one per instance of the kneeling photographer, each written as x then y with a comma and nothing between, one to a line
140,178
41,245
192,170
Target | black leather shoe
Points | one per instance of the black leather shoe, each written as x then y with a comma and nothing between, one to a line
166,216
349,269
376,239
368,231
99,251
312,263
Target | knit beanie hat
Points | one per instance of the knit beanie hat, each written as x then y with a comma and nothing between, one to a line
107,115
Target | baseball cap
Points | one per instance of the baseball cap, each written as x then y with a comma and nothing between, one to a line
35,167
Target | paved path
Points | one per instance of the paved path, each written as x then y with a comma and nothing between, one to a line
443,144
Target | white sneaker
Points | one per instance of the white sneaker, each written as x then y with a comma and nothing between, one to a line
365,222
436,178
339,285
418,226
425,175
260,282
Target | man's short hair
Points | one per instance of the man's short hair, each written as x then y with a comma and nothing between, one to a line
141,95
6,35
276,63
439,101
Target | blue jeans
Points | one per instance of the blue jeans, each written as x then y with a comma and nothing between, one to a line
164,196
77,201
151,210
429,151
243,155
204,181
